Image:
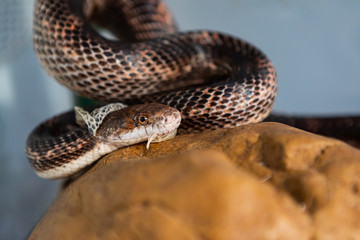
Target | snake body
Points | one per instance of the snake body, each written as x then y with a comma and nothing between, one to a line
213,79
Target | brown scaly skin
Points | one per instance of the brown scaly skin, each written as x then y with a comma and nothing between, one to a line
213,79
57,141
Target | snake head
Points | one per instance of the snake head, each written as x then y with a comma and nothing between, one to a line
152,122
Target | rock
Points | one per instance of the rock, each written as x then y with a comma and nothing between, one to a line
261,181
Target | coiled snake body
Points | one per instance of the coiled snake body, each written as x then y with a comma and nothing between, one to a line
160,66
213,79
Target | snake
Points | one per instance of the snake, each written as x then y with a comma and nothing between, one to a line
185,82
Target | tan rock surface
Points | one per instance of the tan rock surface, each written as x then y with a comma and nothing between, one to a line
262,181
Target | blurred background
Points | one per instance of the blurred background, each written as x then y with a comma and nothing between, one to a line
315,46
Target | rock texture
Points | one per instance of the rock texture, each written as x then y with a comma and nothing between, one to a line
262,181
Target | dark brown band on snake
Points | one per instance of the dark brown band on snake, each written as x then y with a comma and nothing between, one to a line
346,128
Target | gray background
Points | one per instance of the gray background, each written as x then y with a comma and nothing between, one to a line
315,46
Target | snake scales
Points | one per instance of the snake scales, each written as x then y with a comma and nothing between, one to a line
213,79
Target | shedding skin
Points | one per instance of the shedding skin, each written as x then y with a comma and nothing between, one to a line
94,119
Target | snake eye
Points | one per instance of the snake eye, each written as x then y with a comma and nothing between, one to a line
142,119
